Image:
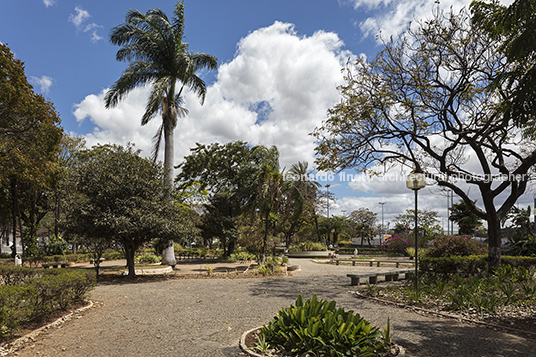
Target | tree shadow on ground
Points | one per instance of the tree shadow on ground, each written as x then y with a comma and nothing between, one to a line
449,338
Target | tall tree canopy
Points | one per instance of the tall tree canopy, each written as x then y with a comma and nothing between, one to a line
515,28
30,135
425,102
153,44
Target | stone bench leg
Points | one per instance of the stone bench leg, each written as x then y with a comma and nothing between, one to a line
355,280
353,263
388,277
378,264
373,279
395,277
397,264
337,262
371,263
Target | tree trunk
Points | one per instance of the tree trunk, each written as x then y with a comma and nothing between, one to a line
168,253
265,238
129,254
14,205
494,242
231,248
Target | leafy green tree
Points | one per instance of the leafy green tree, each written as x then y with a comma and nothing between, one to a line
425,102
153,44
468,222
515,28
428,222
261,193
216,169
362,222
29,142
122,198
216,222
309,190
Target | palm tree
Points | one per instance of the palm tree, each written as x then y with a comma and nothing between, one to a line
262,192
308,188
158,57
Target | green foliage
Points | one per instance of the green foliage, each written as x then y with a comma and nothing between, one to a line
14,308
268,268
28,294
398,242
523,245
319,328
55,246
448,246
467,221
122,198
243,256
473,265
309,247
148,259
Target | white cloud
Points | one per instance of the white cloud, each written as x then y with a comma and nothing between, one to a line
79,21
390,18
294,78
49,3
81,16
43,82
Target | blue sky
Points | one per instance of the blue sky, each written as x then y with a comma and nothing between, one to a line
279,66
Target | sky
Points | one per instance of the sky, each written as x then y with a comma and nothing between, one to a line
279,65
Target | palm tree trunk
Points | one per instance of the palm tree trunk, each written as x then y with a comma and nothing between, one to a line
168,254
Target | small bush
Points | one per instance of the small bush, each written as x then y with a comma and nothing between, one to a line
34,294
148,259
319,328
14,308
243,256
114,255
397,243
474,265
449,246
310,247
268,269
14,275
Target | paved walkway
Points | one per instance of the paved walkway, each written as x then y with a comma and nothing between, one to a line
206,317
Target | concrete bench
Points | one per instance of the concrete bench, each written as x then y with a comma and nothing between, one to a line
54,265
392,275
372,261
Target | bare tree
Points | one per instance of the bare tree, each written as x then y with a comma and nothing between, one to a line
425,102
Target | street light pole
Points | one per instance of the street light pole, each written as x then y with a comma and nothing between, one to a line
415,181
381,231
327,196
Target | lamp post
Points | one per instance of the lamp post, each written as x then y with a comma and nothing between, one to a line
327,196
415,181
381,232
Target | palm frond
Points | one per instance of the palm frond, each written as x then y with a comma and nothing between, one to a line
157,140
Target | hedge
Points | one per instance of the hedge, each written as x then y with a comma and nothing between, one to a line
472,265
30,294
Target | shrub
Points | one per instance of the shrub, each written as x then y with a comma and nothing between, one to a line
243,256
55,246
474,265
148,259
14,308
114,255
13,275
448,246
37,293
319,328
397,243
310,247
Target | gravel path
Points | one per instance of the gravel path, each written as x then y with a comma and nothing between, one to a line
206,317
